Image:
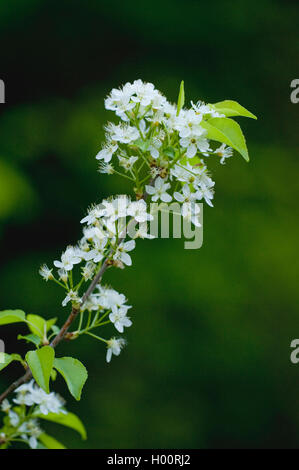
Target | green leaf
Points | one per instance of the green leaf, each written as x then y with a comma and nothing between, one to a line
181,98
11,316
49,442
55,329
31,339
41,363
51,323
17,357
227,131
69,419
232,108
5,360
38,325
73,372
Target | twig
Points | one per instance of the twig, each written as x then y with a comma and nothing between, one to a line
27,376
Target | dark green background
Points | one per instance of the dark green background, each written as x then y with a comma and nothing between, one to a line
207,364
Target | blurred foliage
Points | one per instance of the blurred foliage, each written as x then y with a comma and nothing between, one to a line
207,364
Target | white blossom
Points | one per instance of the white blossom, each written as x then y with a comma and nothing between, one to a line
121,252
88,270
24,394
94,213
120,319
106,168
191,211
119,101
159,191
138,210
142,232
45,272
189,123
107,152
223,152
114,346
72,296
14,418
145,94
186,195
5,406
47,402
116,208
206,193
30,432
68,259
195,143
154,148
91,234
110,299
63,275
99,249
127,163
123,133
188,173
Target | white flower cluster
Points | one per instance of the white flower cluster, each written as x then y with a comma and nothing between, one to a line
106,298
30,394
173,144
26,426
140,95
105,226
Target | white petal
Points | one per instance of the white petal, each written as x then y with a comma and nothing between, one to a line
178,196
191,151
185,132
159,183
129,246
100,155
127,322
209,202
108,355
126,259
119,327
149,189
185,142
166,197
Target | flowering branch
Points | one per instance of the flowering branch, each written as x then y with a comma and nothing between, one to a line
161,148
